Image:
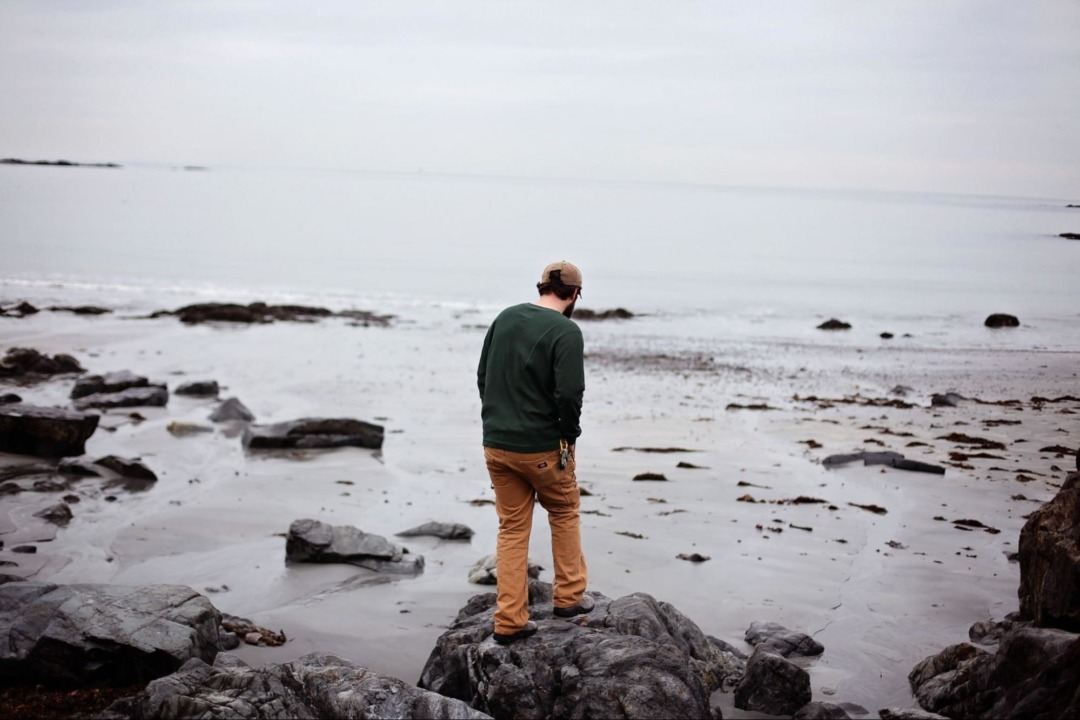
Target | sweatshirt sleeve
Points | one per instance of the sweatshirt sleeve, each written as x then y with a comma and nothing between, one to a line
481,370
570,381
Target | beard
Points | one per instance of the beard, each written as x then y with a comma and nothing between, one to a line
569,311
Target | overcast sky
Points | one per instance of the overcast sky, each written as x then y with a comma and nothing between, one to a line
972,96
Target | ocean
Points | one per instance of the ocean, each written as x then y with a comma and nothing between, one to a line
702,261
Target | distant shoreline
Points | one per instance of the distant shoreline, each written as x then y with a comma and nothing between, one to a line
56,163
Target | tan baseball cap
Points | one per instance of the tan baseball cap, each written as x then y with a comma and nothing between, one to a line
567,272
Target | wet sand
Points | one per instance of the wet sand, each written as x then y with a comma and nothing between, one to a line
880,591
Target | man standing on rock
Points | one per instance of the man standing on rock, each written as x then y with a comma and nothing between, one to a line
532,379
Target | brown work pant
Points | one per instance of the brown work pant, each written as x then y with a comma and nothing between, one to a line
519,479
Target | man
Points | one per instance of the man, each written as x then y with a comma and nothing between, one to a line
532,379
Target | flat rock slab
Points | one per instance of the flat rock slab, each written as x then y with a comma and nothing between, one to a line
313,541
315,433
446,531
107,383
151,396
632,657
892,459
45,432
108,634
125,467
318,685
199,388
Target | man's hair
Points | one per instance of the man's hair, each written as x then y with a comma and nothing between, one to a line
557,286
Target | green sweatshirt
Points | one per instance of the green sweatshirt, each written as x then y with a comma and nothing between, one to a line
531,379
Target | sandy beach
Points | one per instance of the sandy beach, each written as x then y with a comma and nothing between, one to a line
880,590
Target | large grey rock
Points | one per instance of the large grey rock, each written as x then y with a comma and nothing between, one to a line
108,383
47,432
315,433
1034,675
446,531
318,685
772,684
786,642
317,542
152,396
1050,561
632,657
112,634
60,513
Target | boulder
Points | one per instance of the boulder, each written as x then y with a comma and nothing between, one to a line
1034,674
232,409
70,635
310,433
446,531
949,399
316,542
108,383
125,467
1050,561
1001,320
46,432
834,324
317,685
199,388
152,396
19,311
20,362
772,684
485,571
9,398
60,513
632,657
786,642
821,711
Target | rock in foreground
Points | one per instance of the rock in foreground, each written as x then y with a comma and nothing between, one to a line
1050,561
73,635
632,657
318,685
772,684
45,432
316,542
310,433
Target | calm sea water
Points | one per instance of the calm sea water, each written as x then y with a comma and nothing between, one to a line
707,259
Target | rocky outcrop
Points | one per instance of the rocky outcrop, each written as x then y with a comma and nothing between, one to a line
1001,320
772,684
318,685
26,362
1035,672
260,312
632,657
834,324
316,542
446,531
45,432
20,310
786,642
309,433
1050,561
102,634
